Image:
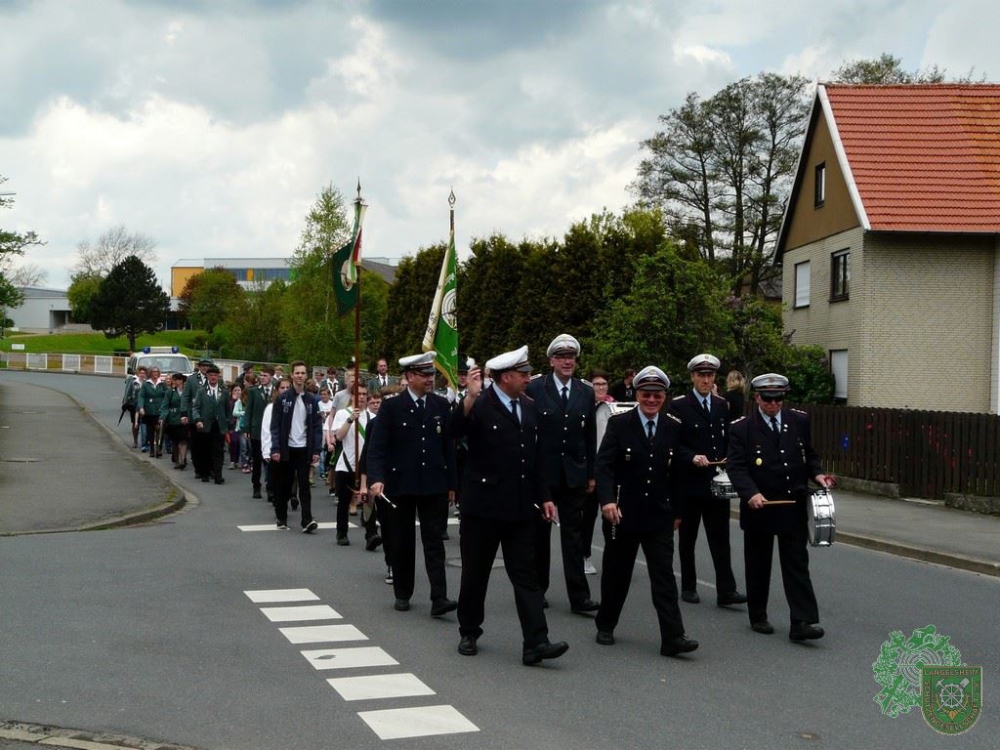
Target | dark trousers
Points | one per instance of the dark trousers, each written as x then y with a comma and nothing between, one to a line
234,446
257,459
714,513
480,538
590,511
216,448
616,577
152,438
384,512
569,502
433,513
758,547
345,485
295,468
199,449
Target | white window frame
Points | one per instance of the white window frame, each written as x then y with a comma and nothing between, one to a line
801,291
838,366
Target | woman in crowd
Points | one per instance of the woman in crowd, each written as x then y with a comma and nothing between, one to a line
150,399
736,388
236,405
170,415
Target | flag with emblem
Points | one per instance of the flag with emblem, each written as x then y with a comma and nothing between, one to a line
345,263
441,335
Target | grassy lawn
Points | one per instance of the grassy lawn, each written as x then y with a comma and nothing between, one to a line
96,343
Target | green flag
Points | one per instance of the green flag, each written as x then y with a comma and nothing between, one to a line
345,264
442,329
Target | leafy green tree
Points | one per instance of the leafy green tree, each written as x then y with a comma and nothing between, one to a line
209,298
409,302
885,69
130,302
254,324
82,291
809,375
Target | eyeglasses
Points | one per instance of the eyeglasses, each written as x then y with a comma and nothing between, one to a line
600,385
771,399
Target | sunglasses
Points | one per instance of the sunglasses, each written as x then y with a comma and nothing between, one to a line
771,399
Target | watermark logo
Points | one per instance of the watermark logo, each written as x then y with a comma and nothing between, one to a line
951,698
925,670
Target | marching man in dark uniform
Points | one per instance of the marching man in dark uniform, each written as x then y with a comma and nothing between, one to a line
211,420
771,458
503,496
703,417
258,397
411,460
197,444
567,434
633,488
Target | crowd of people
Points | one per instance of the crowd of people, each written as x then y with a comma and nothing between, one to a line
515,454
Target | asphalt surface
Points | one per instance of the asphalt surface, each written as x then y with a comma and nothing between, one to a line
147,631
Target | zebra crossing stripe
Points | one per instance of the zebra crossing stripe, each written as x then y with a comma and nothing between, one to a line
299,614
398,723
323,634
379,686
349,658
271,596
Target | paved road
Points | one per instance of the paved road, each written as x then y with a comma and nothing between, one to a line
148,631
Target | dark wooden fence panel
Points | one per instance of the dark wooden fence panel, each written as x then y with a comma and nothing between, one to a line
926,453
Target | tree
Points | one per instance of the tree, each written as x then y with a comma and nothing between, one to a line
885,69
721,170
209,298
28,274
255,323
12,244
130,301
111,248
82,292
413,291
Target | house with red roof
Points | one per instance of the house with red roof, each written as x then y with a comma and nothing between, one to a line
890,242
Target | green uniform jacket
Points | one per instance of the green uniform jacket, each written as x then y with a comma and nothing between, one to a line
253,414
208,410
170,409
188,393
150,397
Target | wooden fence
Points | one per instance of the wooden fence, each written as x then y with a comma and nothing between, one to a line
927,453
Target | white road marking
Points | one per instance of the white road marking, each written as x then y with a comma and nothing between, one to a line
300,614
379,686
323,634
396,723
322,525
265,596
349,658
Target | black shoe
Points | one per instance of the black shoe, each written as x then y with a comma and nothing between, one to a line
678,645
388,575
585,607
401,605
467,646
445,537
295,503
282,525
220,480
373,542
443,606
605,638
310,527
545,602
535,654
763,627
256,494
733,597
343,541
803,631
182,466
205,479
691,597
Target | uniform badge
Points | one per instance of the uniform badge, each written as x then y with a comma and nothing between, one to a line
758,462
439,428
628,454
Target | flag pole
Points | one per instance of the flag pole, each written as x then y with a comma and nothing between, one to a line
357,357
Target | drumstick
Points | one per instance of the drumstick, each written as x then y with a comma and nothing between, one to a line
778,502
391,503
720,462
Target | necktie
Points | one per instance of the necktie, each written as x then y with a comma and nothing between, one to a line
565,397
707,408
649,429
513,409
420,409
774,427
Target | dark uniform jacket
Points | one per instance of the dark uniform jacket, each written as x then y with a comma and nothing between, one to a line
778,468
281,423
502,477
170,408
701,435
410,457
208,410
568,439
636,474
195,382
253,413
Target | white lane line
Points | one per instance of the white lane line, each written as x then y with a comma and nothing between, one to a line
293,527
397,723
266,596
379,686
323,634
300,614
643,562
349,658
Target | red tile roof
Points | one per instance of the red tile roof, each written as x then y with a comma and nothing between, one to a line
924,157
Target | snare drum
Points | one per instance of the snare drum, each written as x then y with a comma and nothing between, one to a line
722,488
822,518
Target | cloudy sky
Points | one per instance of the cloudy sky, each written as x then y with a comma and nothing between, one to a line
211,125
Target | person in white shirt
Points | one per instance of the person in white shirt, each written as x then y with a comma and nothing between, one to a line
349,427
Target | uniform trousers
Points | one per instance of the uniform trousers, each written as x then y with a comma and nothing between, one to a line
216,448
758,547
345,483
383,511
198,447
151,421
569,502
257,460
590,512
714,513
295,468
433,513
480,538
616,577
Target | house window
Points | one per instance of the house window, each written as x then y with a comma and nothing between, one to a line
802,284
820,196
840,275
838,365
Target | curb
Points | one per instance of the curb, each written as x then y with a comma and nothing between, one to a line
48,736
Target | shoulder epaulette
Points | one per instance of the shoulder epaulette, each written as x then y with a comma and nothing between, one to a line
737,420
671,416
678,398
526,398
799,411
537,375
